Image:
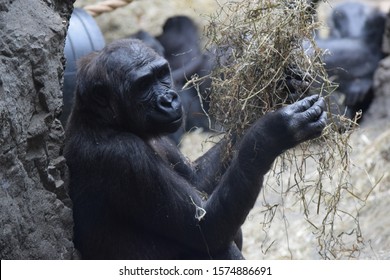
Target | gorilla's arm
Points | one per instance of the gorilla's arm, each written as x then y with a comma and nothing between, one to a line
209,226
268,138
134,194
209,168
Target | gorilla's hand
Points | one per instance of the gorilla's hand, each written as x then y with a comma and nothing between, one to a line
303,120
296,84
280,130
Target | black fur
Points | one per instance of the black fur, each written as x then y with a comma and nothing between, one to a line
182,45
135,196
354,49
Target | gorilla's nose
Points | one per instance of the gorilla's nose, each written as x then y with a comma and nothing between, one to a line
170,100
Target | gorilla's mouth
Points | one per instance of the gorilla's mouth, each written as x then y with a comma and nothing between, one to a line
174,125
177,121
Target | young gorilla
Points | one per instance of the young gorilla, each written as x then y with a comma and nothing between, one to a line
354,50
182,44
135,196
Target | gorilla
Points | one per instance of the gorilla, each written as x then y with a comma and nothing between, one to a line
150,41
353,52
356,20
181,42
135,196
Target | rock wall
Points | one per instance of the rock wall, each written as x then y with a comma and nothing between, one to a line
35,214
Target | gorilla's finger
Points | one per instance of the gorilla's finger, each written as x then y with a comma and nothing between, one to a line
321,103
320,124
319,106
304,104
313,113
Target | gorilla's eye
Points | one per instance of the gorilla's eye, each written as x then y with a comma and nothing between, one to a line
143,83
162,72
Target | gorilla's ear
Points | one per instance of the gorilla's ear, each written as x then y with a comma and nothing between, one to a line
91,82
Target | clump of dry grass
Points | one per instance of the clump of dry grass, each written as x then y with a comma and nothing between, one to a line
260,47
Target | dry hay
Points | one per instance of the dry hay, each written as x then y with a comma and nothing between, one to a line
260,46
259,49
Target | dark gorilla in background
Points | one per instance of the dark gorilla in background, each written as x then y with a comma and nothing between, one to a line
353,53
182,44
150,41
135,196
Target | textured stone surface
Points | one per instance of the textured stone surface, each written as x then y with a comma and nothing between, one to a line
35,218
